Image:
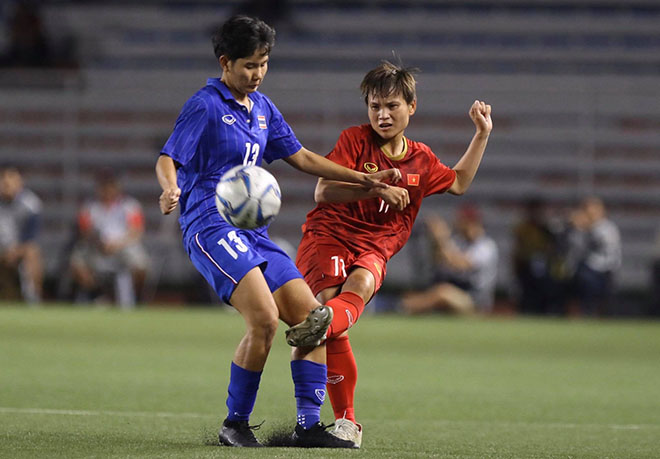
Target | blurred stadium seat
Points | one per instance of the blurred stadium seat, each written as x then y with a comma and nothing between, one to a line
575,93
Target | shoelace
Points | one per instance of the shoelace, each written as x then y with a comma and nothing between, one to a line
256,426
324,427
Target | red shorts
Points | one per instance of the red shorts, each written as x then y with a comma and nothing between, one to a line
325,262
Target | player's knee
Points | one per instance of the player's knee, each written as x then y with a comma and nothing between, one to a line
265,330
361,283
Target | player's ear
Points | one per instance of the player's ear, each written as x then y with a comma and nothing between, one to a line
224,63
412,107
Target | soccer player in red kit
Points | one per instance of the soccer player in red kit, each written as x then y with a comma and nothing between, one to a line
353,231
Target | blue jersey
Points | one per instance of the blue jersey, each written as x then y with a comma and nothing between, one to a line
214,133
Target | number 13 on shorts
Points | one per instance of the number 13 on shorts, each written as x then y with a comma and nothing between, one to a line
236,242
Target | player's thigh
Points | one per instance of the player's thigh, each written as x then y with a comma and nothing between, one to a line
292,295
361,282
366,275
223,255
253,300
294,300
323,260
280,268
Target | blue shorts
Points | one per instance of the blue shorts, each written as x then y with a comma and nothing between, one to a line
224,254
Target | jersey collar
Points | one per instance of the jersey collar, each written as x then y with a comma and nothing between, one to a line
398,156
225,93
221,87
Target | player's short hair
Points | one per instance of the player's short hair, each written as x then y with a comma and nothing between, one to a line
389,78
240,36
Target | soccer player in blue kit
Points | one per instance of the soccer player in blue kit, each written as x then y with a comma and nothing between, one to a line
225,124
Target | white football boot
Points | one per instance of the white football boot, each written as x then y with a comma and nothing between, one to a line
348,430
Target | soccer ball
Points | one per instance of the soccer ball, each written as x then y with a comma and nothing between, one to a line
248,197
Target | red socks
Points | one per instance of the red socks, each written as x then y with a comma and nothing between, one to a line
347,307
342,377
342,369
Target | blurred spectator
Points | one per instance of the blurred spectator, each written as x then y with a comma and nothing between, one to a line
466,267
109,260
20,256
654,307
600,258
534,244
30,46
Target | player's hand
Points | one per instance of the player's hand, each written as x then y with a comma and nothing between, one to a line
168,200
381,178
395,196
480,115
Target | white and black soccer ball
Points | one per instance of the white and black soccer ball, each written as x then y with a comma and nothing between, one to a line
248,197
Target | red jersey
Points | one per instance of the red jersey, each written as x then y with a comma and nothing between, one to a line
370,224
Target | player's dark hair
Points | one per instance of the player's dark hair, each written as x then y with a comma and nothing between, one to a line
389,78
240,36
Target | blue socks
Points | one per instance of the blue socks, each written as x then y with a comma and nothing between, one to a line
309,379
243,387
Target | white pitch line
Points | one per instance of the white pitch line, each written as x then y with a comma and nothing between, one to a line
133,414
160,414
557,425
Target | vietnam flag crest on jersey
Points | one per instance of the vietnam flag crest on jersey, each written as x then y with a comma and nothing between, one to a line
413,179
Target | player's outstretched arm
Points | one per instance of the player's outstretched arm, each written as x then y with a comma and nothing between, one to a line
311,163
335,191
466,167
166,173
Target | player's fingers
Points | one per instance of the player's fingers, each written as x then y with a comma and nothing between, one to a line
488,110
404,200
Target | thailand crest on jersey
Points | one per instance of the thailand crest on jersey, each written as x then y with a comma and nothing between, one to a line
262,122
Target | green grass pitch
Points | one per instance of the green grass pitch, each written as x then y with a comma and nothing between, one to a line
78,382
